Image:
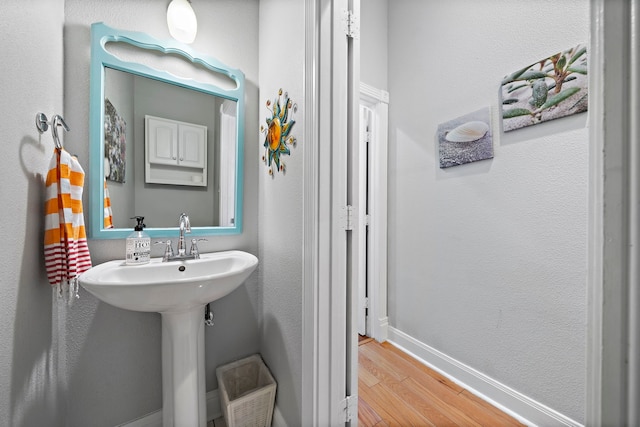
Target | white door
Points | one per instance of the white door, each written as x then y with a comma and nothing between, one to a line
330,347
365,186
374,112
356,197
228,131
347,206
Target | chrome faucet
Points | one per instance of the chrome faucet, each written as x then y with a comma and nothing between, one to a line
185,227
194,253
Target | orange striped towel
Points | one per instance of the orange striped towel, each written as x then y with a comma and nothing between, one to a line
108,214
66,252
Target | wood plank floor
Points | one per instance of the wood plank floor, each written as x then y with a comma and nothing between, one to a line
397,390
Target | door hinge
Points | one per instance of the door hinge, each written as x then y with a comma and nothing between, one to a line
366,303
351,23
349,408
347,218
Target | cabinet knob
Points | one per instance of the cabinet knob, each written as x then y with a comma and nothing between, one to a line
174,157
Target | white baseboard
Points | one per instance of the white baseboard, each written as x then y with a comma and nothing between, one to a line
214,410
154,419
521,407
379,329
383,329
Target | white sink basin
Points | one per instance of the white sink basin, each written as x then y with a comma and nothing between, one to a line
169,286
178,290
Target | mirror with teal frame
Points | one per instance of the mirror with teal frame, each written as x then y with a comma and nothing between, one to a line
214,203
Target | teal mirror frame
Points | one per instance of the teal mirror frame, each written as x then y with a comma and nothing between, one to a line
101,34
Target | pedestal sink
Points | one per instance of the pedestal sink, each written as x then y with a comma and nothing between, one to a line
178,290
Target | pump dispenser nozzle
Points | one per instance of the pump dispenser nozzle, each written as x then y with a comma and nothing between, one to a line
140,226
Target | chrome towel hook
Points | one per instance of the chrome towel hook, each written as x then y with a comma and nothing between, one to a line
55,122
42,124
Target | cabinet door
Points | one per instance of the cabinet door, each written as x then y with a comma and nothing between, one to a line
193,146
162,141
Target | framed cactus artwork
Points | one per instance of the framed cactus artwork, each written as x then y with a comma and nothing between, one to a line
554,87
465,139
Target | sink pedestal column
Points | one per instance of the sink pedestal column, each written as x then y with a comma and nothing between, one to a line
183,375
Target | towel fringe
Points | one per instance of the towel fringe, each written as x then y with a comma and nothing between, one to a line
67,291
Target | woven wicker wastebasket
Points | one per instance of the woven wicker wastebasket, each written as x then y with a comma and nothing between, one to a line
247,392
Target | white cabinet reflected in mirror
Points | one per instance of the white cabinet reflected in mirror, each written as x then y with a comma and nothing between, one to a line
175,152
166,137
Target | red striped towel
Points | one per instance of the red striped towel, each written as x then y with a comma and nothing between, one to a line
108,214
66,252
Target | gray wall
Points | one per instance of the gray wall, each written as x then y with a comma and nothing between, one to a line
172,102
112,355
118,89
32,386
281,208
488,261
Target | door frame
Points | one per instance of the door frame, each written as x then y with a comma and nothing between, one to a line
324,289
377,101
613,335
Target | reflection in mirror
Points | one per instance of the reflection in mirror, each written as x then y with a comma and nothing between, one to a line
204,197
163,144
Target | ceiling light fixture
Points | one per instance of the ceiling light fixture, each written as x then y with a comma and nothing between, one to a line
181,20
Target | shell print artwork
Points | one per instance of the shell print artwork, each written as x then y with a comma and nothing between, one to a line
467,132
277,132
465,139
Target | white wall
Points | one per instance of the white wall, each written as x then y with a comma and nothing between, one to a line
31,386
113,356
488,261
374,40
280,198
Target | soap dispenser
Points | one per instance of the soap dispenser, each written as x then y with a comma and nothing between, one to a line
138,244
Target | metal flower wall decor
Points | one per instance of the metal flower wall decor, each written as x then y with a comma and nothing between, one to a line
278,138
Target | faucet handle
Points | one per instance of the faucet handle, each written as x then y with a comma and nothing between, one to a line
168,251
194,248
